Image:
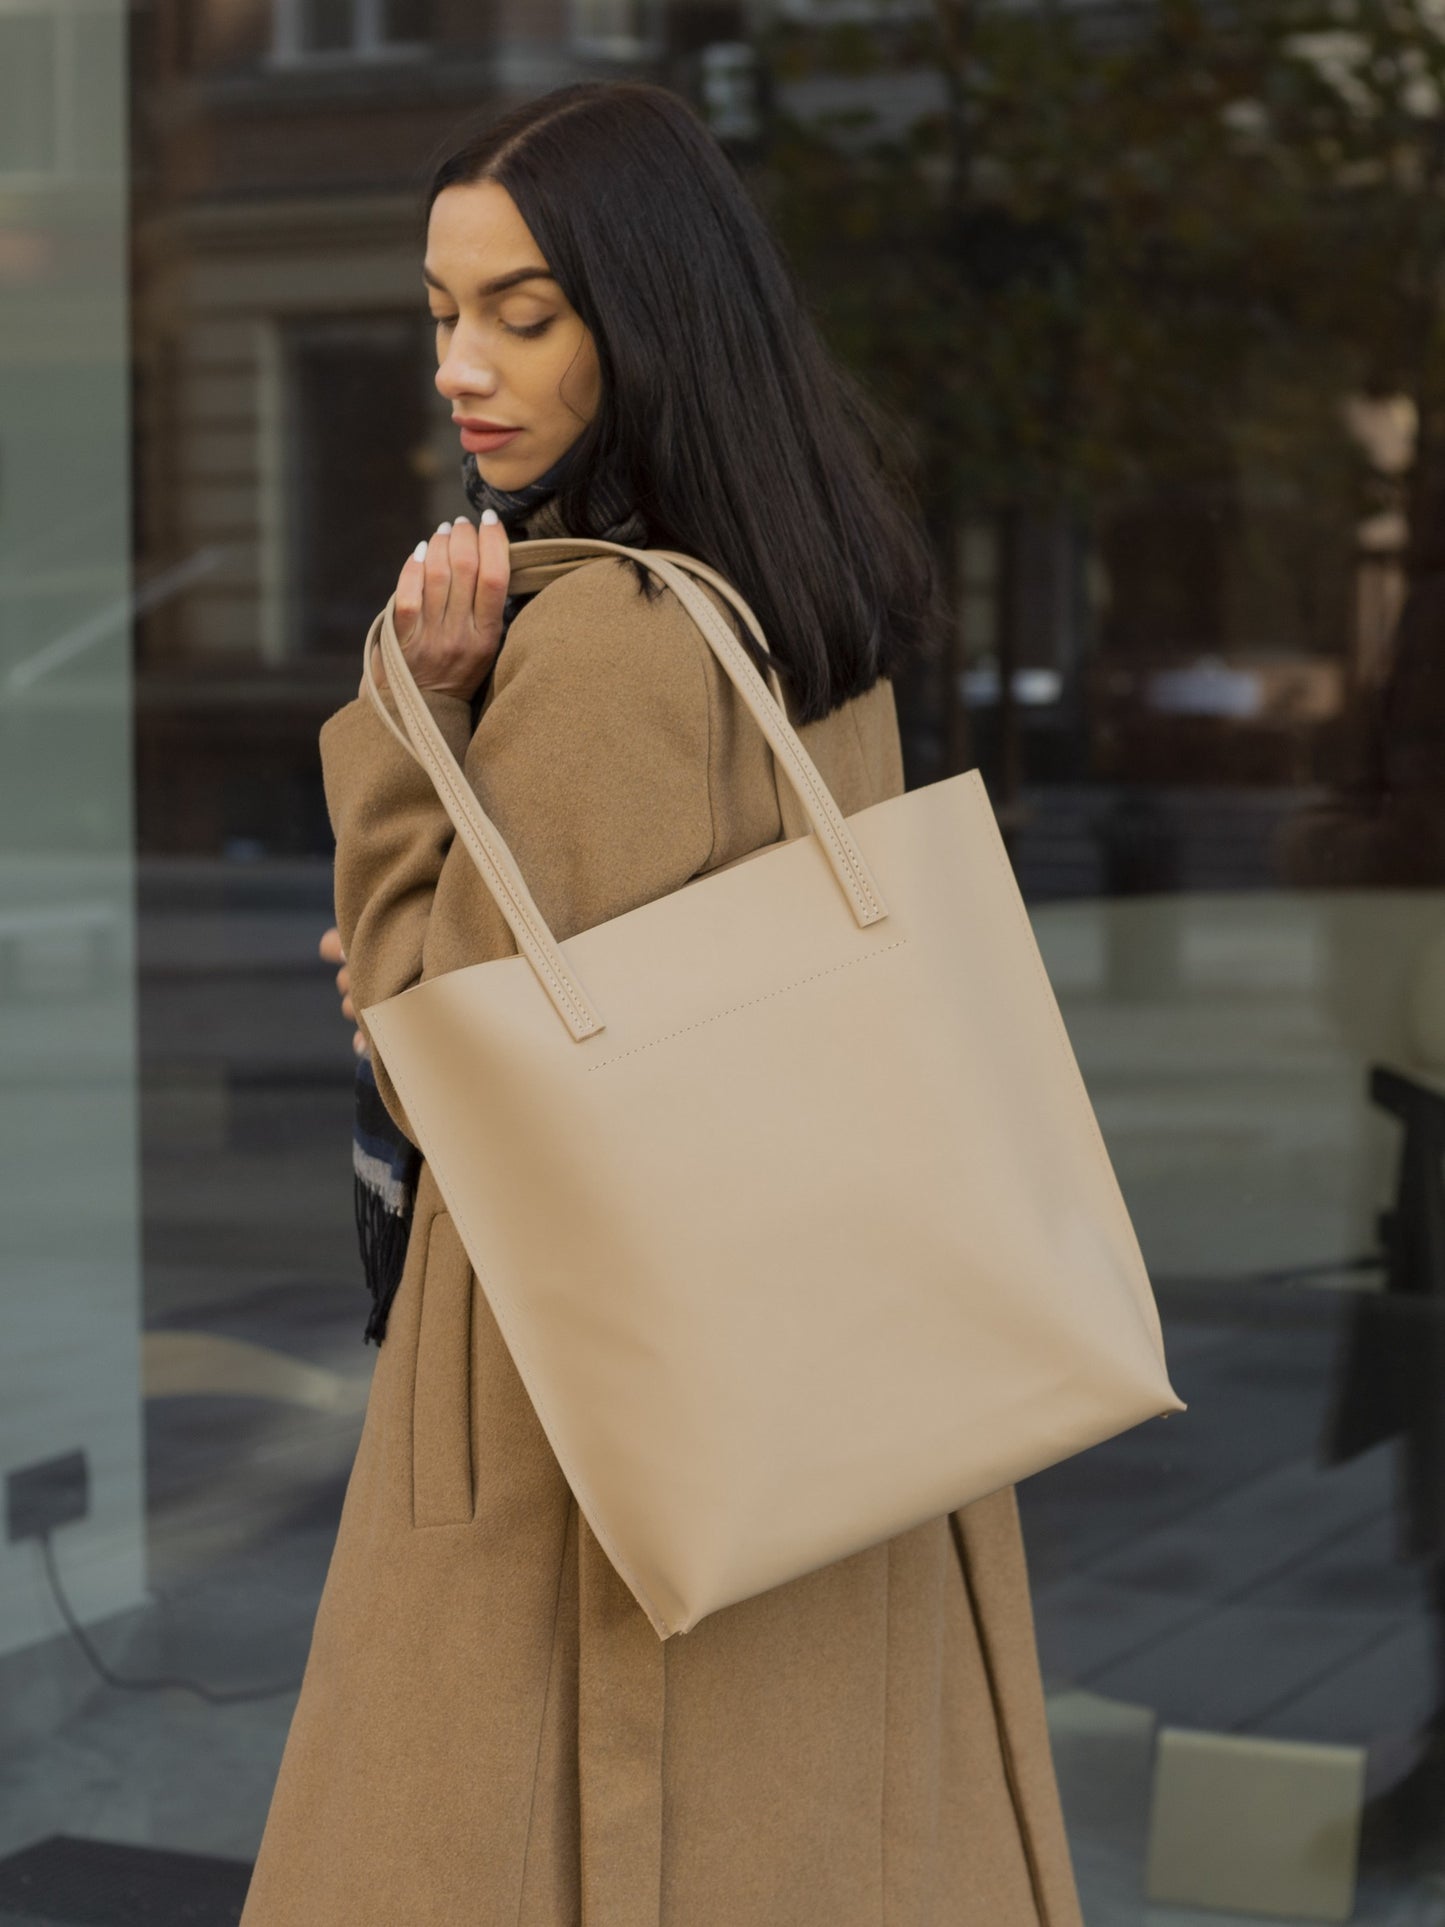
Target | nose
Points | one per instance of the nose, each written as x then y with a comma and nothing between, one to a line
461,374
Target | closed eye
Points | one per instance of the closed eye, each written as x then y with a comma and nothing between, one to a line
528,333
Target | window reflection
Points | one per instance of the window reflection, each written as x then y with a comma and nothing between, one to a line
356,28
1154,293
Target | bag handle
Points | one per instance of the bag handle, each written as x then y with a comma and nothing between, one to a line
536,575
542,561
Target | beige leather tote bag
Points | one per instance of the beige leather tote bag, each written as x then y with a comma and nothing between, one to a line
784,1188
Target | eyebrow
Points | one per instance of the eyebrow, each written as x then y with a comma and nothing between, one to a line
498,284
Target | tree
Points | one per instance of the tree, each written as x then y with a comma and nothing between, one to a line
1129,258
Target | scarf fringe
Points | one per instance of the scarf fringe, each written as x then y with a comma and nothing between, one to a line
383,1235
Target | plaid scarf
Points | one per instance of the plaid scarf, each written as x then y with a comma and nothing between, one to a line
385,1163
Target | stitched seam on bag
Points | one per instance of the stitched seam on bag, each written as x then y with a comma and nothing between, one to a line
535,951
702,669
732,1009
825,806
799,765
798,758
475,841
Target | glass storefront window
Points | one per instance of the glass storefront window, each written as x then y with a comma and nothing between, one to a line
1154,293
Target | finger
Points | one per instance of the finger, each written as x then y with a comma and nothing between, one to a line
358,1043
330,946
462,554
437,577
406,609
494,574
343,979
348,1009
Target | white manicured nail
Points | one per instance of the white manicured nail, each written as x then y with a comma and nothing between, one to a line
489,516
418,554
444,528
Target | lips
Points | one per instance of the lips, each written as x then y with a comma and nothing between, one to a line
484,428
485,441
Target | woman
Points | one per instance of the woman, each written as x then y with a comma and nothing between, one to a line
488,1729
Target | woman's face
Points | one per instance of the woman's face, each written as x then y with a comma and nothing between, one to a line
511,351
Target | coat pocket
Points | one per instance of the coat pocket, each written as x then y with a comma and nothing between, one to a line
441,1425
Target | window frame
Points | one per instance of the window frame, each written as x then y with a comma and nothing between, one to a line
368,42
645,43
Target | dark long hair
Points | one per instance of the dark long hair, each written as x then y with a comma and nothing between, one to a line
721,412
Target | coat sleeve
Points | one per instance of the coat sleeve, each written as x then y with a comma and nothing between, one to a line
590,756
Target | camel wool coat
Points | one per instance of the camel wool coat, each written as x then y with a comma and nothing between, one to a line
489,1732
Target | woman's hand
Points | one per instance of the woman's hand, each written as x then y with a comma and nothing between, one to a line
448,608
331,950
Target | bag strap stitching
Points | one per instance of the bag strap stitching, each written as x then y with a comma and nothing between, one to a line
704,612
530,929
476,840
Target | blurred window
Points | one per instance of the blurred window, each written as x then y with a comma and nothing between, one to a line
355,29
28,102
617,29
